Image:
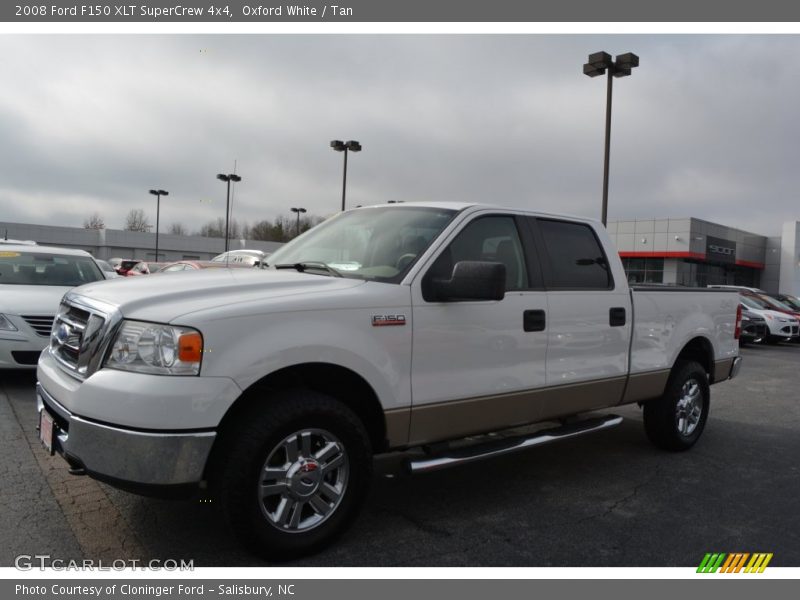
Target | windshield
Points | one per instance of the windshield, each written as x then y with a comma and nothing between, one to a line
773,303
753,302
35,268
378,243
791,301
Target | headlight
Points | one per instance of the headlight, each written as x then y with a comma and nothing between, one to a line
158,349
5,324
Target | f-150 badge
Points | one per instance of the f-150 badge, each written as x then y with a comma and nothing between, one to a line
387,320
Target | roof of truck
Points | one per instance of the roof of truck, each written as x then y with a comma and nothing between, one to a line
464,205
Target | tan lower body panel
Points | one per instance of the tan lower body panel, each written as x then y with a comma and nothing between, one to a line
645,386
459,418
398,421
722,369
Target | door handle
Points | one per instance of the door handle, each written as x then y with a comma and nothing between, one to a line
533,320
616,316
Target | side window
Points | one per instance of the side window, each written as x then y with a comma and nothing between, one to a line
489,239
575,257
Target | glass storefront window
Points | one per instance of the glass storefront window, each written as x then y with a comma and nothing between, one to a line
644,270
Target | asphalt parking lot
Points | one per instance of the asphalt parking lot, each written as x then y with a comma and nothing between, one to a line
606,499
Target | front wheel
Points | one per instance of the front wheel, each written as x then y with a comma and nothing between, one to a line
293,473
677,419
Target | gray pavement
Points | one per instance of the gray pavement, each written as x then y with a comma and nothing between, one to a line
606,499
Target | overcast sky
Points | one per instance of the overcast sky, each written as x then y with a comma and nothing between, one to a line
707,126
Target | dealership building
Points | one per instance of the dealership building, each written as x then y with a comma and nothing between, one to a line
686,251
694,252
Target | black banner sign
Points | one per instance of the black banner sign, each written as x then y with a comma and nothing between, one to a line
719,250
408,11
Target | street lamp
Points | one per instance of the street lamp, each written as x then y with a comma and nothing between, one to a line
227,179
340,146
158,194
298,211
600,63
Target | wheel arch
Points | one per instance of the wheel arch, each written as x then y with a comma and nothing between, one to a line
699,349
341,383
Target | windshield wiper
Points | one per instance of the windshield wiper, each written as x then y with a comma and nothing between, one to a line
302,267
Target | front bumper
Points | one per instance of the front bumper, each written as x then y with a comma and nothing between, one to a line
127,458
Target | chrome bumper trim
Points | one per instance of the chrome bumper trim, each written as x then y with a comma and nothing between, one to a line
168,458
735,367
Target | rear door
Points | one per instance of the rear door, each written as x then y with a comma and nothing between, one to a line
588,319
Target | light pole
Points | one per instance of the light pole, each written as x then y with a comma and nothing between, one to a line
598,64
227,179
340,146
298,211
158,194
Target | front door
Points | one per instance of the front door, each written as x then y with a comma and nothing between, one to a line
476,362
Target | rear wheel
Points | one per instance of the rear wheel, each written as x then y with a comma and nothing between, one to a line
677,419
291,474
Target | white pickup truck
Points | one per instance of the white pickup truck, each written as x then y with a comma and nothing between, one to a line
390,328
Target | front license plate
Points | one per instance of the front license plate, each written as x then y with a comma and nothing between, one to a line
46,430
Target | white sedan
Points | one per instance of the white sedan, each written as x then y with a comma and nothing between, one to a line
32,281
781,326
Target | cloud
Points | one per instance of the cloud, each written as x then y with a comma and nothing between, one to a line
705,127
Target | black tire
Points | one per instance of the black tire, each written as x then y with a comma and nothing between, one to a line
662,417
265,431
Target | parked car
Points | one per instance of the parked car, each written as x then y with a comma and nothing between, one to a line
383,329
108,271
144,268
770,302
754,327
251,258
33,279
125,265
789,300
193,265
782,307
8,242
782,327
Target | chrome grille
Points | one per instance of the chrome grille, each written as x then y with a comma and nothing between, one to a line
77,336
40,324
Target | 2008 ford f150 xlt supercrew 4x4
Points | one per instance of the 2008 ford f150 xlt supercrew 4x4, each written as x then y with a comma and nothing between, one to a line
395,327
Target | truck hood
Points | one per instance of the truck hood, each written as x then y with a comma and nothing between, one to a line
31,299
164,297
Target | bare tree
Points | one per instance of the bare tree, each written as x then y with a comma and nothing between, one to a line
94,222
137,221
283,228
262,231
178,229
216,229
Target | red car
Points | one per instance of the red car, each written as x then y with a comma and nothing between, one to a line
124,266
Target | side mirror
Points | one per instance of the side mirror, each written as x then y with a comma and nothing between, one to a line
472,280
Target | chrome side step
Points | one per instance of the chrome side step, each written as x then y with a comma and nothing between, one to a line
497,448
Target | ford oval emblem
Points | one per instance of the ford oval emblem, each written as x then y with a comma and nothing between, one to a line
63,332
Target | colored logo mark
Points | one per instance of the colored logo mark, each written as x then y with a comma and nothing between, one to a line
738,562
